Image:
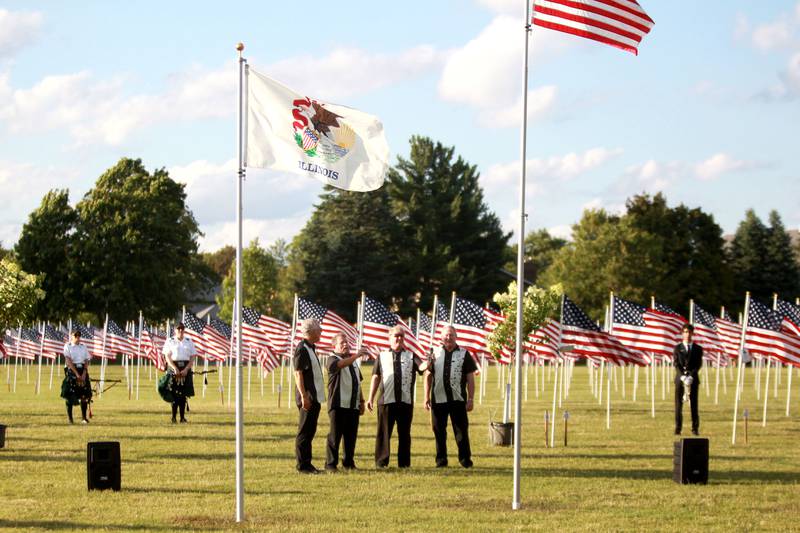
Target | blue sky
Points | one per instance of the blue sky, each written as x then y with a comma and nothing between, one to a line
708,112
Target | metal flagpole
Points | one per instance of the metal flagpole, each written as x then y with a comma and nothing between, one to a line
516,504
238,311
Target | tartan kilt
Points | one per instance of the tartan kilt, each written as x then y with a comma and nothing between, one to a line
72,391
171,390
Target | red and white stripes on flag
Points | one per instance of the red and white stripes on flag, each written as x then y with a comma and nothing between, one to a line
706,334
378,320
765,336
152,346
330,322
27,343
545,341
618,23
267,359
117,341
643,329
473,325
52,342
730,334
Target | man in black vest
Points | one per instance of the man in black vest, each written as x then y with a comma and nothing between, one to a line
395,372
449,392
687,358
310,393
345,403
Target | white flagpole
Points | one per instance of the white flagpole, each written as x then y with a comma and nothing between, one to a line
516,503
103,358
238,311
740,368
139,354
41,353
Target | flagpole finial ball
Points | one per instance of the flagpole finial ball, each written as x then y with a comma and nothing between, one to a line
239,47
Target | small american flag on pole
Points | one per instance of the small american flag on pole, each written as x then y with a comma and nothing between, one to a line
618,23
53,342
473,325
764,335
330,322
791,316
578,330
706,334
117,341
377,322
643,329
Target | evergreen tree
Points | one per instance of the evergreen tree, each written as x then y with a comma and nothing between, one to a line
46,246
748,251
452,241
781,270
349,245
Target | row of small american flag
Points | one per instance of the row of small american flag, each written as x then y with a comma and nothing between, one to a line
633,333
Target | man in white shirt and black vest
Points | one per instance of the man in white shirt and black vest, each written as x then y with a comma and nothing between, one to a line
687,358
395,372
310,392
449,390
345,403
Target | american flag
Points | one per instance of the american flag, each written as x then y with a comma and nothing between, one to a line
28,341
473,325
619,23
152,345
217,328
647,330
764,335
93,340
377,322
578,330
331,324
730,333
260,330
3,342
706,334
791,316
117,341
53,342
267,359
542,343
208,342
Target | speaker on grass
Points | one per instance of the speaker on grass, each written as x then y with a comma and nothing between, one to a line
2,436
103,465
691,461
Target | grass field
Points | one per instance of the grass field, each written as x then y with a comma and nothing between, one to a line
182,476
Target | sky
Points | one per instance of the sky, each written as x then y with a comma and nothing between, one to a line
707,113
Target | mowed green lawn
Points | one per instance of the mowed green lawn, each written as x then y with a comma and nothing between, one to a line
182,476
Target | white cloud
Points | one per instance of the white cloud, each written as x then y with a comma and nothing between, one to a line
486,73
348,71
541,101
719,164
96,111
563,231
598,203
17,30
503,6
561,167
649,177
772,36
267,230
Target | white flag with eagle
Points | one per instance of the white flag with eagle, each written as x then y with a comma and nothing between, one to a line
337,145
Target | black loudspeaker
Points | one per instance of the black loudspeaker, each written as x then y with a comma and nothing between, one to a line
2,436
691,461
103,465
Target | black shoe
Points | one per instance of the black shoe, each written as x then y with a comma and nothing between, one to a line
695,432
466,464
174,421
677,431
310,469
183,421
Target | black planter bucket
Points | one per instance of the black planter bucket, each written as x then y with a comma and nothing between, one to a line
501,434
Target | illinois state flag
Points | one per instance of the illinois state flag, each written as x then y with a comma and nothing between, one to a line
337,145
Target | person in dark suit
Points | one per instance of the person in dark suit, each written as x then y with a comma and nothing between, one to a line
687,358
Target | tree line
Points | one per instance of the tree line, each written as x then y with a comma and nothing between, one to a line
131,244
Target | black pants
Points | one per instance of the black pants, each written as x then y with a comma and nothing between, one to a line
457,412
84,405
389,415
693,399
306,429
344,426
179,403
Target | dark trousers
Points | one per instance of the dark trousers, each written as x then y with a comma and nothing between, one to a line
179,404
344,426
389,415
457,412
306,429
84,406
693,399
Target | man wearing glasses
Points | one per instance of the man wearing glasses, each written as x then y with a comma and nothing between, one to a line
395,372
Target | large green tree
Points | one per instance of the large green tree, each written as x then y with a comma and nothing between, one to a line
540,248
260,270
747,253
452,241
781,270
46,246
693,252
607,253
20,293
349,245
137,244
220,261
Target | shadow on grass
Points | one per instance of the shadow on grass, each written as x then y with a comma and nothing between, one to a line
174,490
58,524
